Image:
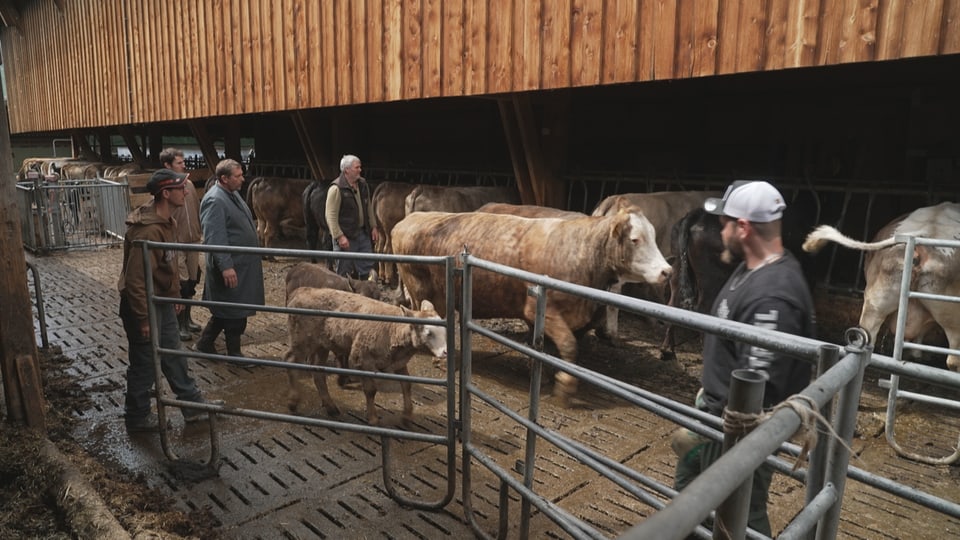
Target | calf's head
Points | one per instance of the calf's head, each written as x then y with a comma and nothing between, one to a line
428,337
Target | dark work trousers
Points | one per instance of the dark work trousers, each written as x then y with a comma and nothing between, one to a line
141,375
702,456
232,330
360,243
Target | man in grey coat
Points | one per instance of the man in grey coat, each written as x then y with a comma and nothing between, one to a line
231,277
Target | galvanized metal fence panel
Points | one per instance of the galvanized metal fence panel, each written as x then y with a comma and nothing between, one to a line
60,215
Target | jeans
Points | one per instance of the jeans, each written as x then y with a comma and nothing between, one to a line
141,375
360,243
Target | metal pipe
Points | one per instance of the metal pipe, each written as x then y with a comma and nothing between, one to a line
746,397
845,423
41,313
816,473
803,523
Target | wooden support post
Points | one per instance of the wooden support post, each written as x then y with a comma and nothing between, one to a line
18,348
136,151
518,157
106,146
28,376
308,126
207,148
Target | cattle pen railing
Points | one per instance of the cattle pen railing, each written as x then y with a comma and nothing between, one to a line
834,394
936,376
66,214
447,438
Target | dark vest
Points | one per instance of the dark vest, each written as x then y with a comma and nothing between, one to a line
349,212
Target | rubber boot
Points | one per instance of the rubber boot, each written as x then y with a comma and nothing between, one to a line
185,334
232,337
208,336
191,324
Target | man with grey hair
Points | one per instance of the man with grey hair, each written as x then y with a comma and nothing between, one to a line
349,214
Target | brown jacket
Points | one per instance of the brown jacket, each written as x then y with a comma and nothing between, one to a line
144,224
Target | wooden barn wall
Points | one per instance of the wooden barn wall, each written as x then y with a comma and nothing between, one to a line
90,63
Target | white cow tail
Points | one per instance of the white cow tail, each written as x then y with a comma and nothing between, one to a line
825,233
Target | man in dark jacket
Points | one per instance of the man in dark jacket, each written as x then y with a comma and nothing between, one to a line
349,214
153,221
767,290
231,277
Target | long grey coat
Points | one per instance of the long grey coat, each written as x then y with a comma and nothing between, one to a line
227,221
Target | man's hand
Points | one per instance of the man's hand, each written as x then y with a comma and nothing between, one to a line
374,235
145,328
230,278
343,242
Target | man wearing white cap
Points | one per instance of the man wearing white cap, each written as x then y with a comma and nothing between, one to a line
767,289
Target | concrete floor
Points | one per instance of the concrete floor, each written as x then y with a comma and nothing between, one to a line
282,480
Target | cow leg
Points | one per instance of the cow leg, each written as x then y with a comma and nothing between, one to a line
611,326
557,330
405,387
370,392
877,306
947,316
320,381
294,395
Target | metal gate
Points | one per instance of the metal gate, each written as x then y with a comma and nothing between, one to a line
65,214
834,395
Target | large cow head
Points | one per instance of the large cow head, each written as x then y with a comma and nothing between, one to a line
641,260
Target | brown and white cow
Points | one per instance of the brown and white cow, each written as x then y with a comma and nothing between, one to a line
936,270
528,211
457,198
590,251
375,346
278,206
389,199
663,209
318,276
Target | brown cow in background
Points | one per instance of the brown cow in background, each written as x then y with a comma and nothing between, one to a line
278,206
388,205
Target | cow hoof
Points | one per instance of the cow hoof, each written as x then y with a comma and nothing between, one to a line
332,410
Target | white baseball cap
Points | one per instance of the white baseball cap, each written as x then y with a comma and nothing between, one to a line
755,201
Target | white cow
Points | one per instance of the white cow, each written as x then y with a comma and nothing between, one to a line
935,270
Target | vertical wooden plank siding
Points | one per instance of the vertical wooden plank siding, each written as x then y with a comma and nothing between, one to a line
142,61
665,25
556,44
358,50
750,35
475,53
374,59
776,36
278,56
499,46
392,50
431,44
705,44
586,41
452,38
341,51
528,45
412,50
950,36
313,55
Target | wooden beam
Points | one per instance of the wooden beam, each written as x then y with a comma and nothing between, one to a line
207,148
18,347
309,126
105,144
82,148
136,152
526,151
10,16
511,129
231,141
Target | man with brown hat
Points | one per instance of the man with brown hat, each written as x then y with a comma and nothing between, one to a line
153,221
